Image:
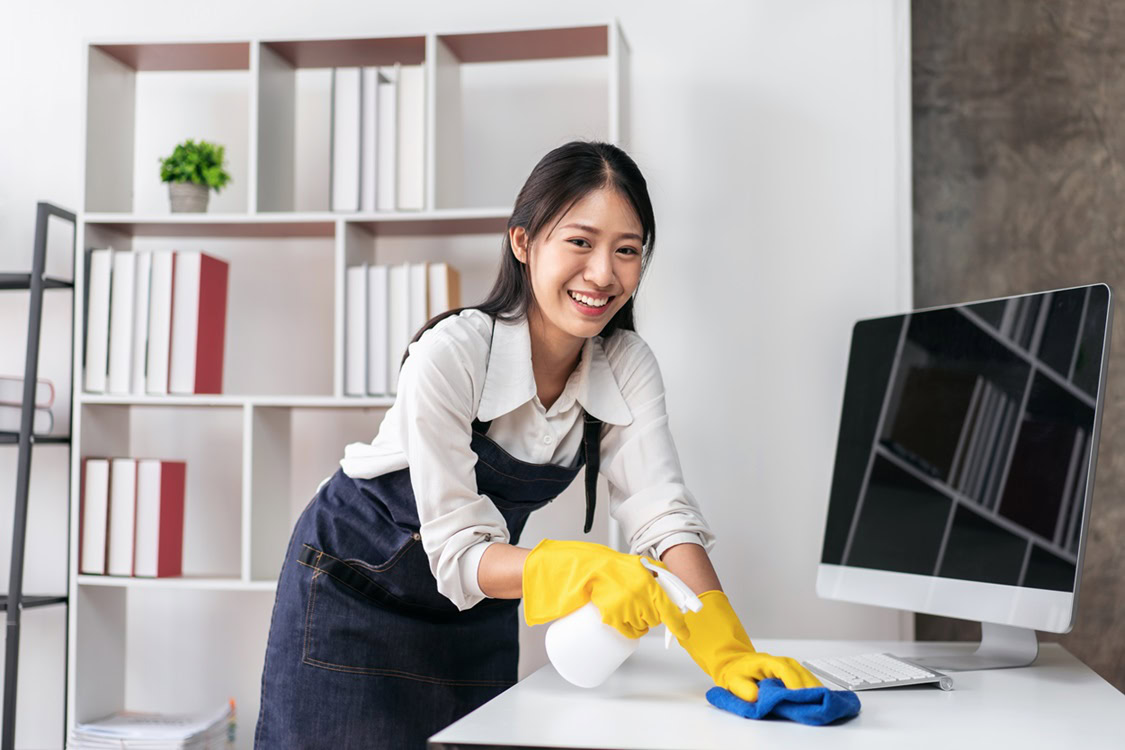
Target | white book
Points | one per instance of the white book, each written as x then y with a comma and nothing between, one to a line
121,310
95,514
419,298
368,150
11,391
97,319
42,421
411,137
398,320
158,552
386,139
122,516
346,116
140,322
148,518
185,322
377,330
355,332
444,289
199,296
160,322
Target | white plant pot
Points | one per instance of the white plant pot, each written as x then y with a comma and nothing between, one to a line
187,197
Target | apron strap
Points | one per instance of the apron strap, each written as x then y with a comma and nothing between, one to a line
591,445
591,448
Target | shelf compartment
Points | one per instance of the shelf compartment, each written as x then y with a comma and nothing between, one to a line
295,108
475,255
279,312
290,457
136,115
209,440
472,246
500,101
208,646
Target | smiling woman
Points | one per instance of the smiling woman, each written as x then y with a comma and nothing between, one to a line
397,603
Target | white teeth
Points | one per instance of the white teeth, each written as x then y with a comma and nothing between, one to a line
589,300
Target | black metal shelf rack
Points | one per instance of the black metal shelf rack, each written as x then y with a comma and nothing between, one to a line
16,601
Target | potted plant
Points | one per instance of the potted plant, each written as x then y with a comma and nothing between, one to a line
192,171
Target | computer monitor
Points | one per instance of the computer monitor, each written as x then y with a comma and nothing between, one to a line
965,465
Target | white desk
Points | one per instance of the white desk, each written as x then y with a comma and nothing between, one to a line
655,701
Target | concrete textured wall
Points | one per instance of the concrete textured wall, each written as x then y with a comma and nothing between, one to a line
1019,186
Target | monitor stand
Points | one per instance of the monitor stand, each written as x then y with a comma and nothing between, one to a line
1000,646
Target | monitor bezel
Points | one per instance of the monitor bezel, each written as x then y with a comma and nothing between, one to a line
942,596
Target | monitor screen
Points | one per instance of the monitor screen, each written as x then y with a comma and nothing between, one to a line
967,439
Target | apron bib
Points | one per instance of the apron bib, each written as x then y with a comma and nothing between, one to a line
363,650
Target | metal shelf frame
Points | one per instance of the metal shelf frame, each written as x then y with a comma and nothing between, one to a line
16,601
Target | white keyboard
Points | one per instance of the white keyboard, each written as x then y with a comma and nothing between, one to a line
870,671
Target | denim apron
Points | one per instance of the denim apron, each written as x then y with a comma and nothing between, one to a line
363,650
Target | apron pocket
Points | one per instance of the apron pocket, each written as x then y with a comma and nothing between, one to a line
403,583
348,630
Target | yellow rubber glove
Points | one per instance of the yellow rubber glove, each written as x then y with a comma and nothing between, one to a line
720,646
562,576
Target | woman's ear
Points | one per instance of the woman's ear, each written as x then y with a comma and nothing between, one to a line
518,240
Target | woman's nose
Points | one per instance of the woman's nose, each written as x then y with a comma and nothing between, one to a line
599,269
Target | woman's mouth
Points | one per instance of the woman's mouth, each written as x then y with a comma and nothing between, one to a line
588,305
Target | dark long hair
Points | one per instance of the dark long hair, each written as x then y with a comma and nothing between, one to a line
560,179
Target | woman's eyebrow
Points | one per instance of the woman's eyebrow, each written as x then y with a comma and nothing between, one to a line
594,230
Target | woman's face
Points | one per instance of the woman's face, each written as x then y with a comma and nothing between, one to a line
586,265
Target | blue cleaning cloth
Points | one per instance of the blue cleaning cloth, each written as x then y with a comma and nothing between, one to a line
816,706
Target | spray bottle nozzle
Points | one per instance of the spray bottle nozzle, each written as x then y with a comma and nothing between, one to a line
678,591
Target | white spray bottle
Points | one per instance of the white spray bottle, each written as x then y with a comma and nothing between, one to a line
586,651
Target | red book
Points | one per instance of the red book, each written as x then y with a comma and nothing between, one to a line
159,549
199,316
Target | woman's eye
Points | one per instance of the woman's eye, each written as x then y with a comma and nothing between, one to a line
628,250
580,242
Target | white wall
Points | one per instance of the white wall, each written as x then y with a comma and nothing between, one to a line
775,139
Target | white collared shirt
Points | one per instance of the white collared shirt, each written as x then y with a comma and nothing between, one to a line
449,379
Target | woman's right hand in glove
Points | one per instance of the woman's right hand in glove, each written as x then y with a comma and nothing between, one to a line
559,577
720,646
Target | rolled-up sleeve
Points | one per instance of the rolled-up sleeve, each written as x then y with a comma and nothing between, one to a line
436,406
648,496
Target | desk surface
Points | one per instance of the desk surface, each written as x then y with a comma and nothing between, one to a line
655,701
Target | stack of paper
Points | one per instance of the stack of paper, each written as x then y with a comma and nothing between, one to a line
129,729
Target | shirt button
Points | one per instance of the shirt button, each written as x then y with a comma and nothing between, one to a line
547,440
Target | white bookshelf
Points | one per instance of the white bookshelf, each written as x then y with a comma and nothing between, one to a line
496,100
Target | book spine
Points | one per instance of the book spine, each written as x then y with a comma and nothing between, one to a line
214,277
170,553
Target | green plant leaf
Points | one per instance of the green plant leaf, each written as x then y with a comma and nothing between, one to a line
201,163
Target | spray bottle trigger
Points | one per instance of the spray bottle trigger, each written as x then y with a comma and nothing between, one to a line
682,596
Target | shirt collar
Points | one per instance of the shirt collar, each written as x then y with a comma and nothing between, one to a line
510,381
